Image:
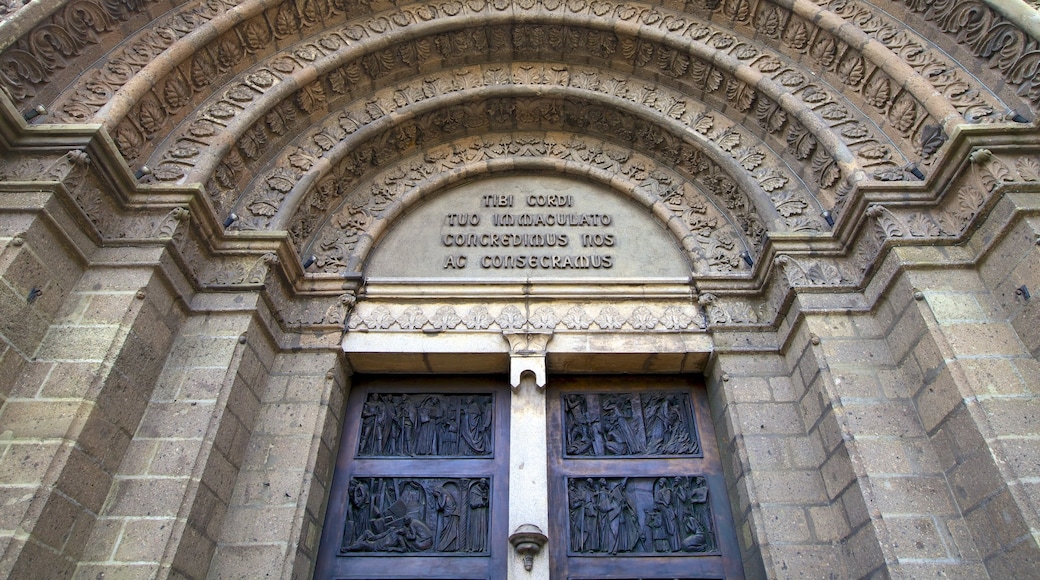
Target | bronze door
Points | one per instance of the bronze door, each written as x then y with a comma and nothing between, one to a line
420,488
635,481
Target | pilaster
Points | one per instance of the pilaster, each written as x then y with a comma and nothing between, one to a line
168,499
278,506
974,382
76,403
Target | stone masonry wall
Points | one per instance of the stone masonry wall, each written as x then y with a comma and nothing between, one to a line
166,506
78,395
277,508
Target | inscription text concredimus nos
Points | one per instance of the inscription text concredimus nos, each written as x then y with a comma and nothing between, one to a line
460,235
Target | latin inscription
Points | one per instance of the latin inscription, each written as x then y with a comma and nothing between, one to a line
549,229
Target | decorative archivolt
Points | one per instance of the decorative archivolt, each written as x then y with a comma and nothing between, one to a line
229,31
672,42
356,143
340,225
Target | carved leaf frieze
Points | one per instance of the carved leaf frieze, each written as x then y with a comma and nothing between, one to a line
368,317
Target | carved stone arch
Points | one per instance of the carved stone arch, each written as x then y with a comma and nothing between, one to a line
741,74
724,150
713,242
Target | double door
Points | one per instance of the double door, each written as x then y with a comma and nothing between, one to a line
421,485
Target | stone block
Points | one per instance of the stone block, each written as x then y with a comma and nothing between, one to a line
998,376
183,420
69,379
201,384
785,524
79,343
975,339
36,560
963,544
1025,555
915,538
770,419
883,455
56,520
766,452
952,570
249,561
219,476
905,333
1023,455
863,553
286,452
194,555
837,472
26,462
805,452
784,390
860,383
829,523
860,352
937,399
103,539
792,561
29,418
250,525
287,419
143,540
913,495
83,480
975,479
790,487
952,307
121,571
891,418
146,497
1013,416
173,457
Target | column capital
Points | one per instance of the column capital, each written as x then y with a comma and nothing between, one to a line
527,353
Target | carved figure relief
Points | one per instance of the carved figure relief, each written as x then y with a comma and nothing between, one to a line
409,425
395,515
640,515
629,424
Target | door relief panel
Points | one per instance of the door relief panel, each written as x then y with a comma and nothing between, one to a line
635,471
420,489
433,516
640,515
629,424
433,425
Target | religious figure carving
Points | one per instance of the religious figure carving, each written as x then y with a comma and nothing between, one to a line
630,424
667,515
408,425
416,515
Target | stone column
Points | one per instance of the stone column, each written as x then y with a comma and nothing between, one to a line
77,400
169,496
276,511
528,457
975,387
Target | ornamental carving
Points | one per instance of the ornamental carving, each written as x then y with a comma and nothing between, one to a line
409,516
368,317
711,236
426,425
990,36
629,425
640,515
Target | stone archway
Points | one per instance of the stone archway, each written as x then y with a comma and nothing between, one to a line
852,186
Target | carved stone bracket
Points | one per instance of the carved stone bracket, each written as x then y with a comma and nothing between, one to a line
527,353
